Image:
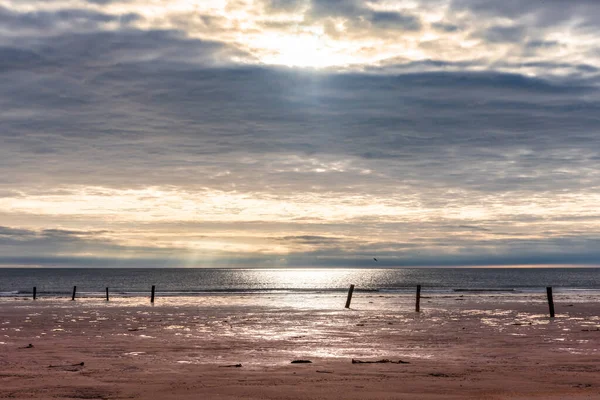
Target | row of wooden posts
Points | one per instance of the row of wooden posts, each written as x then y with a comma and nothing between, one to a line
418,299
348,299
107,295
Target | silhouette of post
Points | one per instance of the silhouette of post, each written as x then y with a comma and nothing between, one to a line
349,299
34,292
106,294
152,295
550,301
418,303
74,291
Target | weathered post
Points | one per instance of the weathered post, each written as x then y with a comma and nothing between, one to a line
74,291
550,301
106,294
152,295
349,299
34,292
418,303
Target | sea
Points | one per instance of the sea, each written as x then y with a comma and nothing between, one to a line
59,282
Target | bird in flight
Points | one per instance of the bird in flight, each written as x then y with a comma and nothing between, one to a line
374,259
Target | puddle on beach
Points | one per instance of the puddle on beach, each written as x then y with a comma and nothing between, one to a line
573,350
134,353
172,327
243,332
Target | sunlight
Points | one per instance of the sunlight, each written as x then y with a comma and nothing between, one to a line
308,50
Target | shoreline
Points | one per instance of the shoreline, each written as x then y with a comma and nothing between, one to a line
312,299
403,291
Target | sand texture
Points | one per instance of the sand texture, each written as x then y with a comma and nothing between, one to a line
458,347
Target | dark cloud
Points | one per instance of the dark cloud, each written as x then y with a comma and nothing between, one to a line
46,22
49,246
24,235
284,5
50,242
311,239
86,261
337,8
505,34
446,27
92,51
545,14
474,228
157,101
395,20
361,19
537,44
582,68
14,58
527,253
14,233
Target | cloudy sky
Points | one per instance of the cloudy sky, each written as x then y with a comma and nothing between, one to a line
299,132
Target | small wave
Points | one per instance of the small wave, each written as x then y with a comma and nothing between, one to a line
484,290
10,294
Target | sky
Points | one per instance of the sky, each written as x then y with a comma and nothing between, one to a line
286,133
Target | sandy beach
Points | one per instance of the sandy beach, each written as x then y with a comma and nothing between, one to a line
463,346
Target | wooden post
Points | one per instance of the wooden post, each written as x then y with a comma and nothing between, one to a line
34,292
550,301
106,294
74,291
152,295
418,303
349,299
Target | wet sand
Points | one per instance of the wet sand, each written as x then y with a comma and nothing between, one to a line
459,347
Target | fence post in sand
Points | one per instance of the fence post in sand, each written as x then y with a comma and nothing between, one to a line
550,301
106,294
74,291
34,292
349,299
418,303
152,295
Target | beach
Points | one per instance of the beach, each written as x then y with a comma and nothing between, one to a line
240,346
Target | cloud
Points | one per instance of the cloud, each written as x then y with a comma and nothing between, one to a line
329,8
311,239
359,19
394,20
536,44
117,48
502,34
48,247
342,34
544,14
15,242
63,20
444,137
445,27
284,5
114,112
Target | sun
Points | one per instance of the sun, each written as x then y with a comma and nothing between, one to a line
306,50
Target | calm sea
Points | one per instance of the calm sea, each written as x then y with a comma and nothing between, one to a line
186,282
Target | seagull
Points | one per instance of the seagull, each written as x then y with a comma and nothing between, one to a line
374,259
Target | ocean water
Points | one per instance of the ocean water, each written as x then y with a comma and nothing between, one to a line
202,282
